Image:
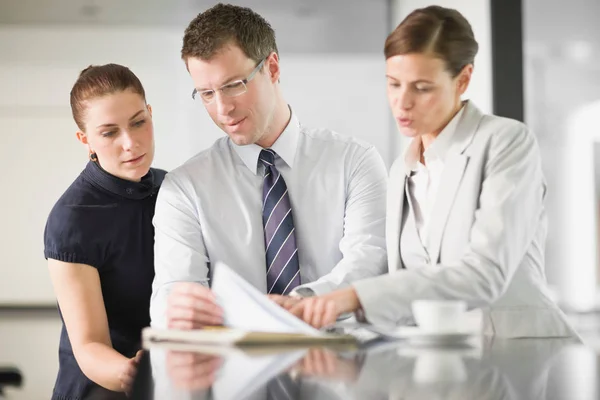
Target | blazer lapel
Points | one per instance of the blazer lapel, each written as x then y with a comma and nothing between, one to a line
455,164
451,177
395,202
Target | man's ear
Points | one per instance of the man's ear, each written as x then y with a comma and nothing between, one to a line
273,67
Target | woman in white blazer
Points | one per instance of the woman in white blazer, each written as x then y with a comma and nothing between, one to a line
465,210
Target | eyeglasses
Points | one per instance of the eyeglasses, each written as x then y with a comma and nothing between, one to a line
231,89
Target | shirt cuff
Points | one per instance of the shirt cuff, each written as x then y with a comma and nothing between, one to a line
377,308
319,288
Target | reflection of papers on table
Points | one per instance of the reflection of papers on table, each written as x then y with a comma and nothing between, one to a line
250,318
242,372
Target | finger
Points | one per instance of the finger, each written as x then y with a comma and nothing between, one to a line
195,382
308,310
129,374
310,361
189,302
298,310
126,389
193,289
198,322
127,381
195,374
186,359
184,325
277,298
290,302
330,314
130,367
196,315
138,356
329,362
319,363
318,313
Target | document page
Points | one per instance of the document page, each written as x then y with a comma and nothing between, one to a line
246,308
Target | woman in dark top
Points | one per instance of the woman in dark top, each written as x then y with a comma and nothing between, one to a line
99,236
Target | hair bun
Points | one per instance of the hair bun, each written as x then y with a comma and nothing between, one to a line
84,71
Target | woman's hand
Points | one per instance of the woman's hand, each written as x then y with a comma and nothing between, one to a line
320,311
129,371
286,302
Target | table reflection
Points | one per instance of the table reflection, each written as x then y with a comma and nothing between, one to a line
486,369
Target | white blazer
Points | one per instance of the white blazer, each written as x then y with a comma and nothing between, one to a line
487,235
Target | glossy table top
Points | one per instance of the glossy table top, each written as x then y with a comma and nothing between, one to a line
482,368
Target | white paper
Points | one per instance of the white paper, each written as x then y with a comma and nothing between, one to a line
246,308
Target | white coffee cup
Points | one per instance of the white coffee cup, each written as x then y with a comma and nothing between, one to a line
439,316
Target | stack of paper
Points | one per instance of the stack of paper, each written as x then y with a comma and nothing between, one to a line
250,318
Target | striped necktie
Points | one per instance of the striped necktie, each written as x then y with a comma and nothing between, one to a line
283,270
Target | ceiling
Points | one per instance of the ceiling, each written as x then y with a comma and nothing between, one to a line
301,25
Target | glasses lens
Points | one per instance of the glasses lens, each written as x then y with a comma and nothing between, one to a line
207,96
234,89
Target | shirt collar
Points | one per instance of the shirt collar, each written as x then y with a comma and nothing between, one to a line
285,146
438,148
147,186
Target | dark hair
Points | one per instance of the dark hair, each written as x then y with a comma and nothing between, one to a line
440,31
101,80
226,24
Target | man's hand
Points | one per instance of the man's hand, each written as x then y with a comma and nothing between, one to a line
192,306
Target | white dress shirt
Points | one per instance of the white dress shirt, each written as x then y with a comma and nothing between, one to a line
209,210
424,179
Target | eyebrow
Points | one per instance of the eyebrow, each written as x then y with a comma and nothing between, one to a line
111,125
227,81
415,82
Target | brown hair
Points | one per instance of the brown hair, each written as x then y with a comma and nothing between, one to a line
226,24
101,80
440,31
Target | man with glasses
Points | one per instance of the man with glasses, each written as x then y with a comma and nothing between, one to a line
294,210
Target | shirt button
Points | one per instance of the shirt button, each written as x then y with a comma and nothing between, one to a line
129,190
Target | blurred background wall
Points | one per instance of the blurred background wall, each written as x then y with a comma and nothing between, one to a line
332,75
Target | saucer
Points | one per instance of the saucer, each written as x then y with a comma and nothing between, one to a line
417,336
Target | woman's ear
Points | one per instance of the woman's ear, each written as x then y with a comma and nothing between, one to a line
82,137
149,109
464,78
